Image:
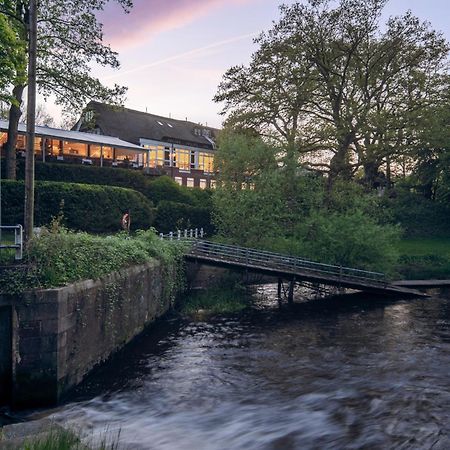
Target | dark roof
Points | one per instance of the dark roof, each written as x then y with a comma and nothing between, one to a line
130,125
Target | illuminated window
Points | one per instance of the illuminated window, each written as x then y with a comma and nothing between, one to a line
95,151
20,142
206,162
182,159
202,183
192,159
213,184
190,182
3,138
75,148
179,180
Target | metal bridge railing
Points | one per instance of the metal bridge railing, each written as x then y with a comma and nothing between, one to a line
273,260
263,258
18,240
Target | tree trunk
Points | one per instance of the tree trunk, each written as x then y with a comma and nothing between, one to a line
371,174
10,146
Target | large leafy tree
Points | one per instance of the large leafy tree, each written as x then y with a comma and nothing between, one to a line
70,39
335,88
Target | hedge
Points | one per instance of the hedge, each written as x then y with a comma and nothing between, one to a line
85,207
74,173
154,188
172,216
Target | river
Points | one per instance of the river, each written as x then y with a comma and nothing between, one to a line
349,372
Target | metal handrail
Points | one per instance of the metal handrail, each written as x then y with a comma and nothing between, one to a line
18,240
264,258
277,260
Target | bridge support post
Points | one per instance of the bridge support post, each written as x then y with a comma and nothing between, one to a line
291,291
280,284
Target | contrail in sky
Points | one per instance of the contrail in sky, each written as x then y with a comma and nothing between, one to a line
182,55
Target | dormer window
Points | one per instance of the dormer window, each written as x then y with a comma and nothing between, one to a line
197,131
206,132
89,115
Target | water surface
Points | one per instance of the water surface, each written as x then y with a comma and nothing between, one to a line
350,372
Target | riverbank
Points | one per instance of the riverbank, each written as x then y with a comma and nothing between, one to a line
424,258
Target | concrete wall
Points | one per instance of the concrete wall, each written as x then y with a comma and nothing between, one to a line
59,335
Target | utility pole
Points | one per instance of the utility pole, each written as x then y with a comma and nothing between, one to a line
31,119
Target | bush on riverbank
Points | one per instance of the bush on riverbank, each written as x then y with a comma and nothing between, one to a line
91,208
59,257
219,300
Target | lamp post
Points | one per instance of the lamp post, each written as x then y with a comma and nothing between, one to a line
31,119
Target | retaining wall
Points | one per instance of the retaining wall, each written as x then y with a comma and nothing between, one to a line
58,335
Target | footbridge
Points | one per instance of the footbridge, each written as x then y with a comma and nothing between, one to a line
286,267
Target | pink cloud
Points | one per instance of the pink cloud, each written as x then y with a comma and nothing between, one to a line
149,17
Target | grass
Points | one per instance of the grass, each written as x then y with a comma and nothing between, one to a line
215,301
6,254
424,258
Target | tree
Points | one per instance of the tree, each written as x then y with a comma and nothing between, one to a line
69,40
337,90
12,57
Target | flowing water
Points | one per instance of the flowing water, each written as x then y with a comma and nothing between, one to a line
349,372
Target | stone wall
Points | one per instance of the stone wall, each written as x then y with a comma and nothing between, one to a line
59,335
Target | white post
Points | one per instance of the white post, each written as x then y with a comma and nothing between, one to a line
179,234
161,236
185,233
171,235
201,233
191,233
196,233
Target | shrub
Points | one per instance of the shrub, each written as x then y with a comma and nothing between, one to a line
352,239
171,216
58,257
73,173
417,215
85,207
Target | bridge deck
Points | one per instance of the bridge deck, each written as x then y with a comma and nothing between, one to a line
284,266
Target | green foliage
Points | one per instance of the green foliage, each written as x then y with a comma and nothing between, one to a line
424,258
330,76
296,214
351,239
12,56
165,188
194,206
218,300
418,215
74,173
172,216
241,158
85,207
58,257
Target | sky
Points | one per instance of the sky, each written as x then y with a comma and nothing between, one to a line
173,53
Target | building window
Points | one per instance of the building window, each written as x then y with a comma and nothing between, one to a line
193,166
190,182
179,180
183,159
167,157
213,184
206,162
203,183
